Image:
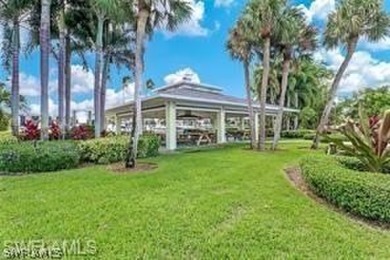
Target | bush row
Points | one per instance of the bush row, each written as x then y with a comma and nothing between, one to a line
361,193
308,134
114,149
29,157
297,134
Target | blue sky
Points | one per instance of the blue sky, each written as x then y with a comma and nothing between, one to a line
199,46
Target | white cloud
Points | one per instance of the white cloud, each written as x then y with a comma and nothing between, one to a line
318,9
82,80
381,45
193,27
223,3
181,75
363,71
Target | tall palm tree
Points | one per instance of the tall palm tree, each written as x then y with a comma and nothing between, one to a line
44,39
61,64
13,13
293,36
240,48
156,13
118,50
351,21
103,9
263,16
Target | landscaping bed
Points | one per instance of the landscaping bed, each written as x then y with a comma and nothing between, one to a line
36,156
363,194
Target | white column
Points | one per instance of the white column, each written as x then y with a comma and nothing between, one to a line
243,123
118,125
170,131
257,126
221,128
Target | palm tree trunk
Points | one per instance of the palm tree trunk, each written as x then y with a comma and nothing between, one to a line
263,92
68,77
15,78
279,117
61,71
44,39
105,73
143,15
333,91
252,125
98,69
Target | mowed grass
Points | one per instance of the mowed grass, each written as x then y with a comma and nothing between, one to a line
218,204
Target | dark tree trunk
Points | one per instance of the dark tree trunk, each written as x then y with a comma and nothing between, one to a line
68,78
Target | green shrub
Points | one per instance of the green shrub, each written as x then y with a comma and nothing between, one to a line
114,149
29,157
8,139
361,193
354,163
297,134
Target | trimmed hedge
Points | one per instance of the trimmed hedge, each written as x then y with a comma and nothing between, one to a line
114,149
297,134
361,193
29,157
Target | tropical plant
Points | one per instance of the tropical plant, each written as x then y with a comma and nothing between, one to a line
150,14
351,21
370,138
293,37
240,48
13,13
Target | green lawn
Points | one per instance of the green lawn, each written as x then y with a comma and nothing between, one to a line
217,204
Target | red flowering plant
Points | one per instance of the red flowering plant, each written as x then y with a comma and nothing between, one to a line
30,131
54,131
81,132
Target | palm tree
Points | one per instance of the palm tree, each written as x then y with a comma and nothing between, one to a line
293,35
61,65
118,50
240,48
13,13
44,39
263,16
156,13
351,21
103,9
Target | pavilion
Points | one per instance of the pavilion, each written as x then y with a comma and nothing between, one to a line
184,99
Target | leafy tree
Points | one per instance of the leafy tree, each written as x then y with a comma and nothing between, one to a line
374,101
263,16
13,13
150,14
351,21
293,37
240,48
